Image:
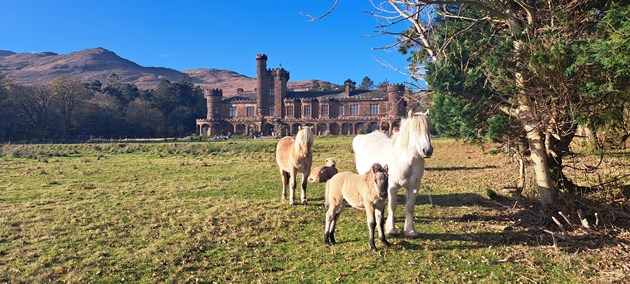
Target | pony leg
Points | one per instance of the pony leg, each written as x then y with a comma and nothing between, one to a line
303,187
329,227
285,181
380,221
371,222
410,204
292,182
390,227
333,227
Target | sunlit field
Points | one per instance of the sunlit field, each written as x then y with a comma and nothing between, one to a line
211,212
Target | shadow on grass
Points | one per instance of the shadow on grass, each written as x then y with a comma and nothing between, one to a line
450,200
460,168
507,225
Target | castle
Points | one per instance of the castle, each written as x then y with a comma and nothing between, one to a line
272,109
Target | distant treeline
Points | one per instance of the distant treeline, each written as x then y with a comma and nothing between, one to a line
67,109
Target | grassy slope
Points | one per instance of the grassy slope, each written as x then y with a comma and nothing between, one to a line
204,212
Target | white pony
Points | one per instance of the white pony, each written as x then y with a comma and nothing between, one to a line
404,154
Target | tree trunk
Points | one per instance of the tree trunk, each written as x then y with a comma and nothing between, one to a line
544,183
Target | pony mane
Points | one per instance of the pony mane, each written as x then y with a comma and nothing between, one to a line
411,128
304,140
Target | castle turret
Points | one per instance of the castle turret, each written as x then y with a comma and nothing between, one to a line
262,87
280,79
214,98
397,104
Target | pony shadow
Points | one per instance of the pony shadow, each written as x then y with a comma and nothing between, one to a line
460,168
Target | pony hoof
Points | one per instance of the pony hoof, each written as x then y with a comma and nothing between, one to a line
393,233
304,202
412,235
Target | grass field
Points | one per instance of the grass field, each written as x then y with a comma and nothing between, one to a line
211,212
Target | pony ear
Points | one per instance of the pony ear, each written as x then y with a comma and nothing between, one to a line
299,127
427,112
385,169
376,168
410,114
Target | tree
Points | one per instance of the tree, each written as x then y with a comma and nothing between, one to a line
526,64
145,120
67,95
366,83
32,103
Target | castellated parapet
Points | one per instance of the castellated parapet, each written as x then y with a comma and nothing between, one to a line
395,88
213,93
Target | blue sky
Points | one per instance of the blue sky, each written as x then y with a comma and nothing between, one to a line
210,34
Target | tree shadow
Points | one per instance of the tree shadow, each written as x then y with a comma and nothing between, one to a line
460,168
451,200
504,224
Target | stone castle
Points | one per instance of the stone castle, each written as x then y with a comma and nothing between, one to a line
272,109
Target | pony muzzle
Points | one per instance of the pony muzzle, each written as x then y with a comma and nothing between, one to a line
427,152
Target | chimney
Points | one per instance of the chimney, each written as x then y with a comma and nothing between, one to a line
349,87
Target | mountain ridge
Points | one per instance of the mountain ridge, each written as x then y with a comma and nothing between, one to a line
99,63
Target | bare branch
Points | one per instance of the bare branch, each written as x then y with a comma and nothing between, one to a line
313,19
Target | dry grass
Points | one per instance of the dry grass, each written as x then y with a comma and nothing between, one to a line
211,212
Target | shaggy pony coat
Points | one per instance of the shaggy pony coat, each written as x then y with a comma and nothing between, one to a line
365,192
404,153
294,155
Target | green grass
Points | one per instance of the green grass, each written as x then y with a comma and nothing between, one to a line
211,212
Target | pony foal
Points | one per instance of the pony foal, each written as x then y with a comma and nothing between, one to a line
368,191
322,174
295,155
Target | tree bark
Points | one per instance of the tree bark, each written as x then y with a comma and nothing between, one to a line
546,188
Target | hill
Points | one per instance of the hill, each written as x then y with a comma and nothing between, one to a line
98,63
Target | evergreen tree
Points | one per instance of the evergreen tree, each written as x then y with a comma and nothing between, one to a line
366,83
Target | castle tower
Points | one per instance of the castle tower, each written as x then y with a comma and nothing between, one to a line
397,104
262,87
214,98
280,79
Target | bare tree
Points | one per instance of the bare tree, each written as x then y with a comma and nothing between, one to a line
67,94
32,103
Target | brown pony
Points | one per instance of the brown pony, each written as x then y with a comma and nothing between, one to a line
294,155
322,174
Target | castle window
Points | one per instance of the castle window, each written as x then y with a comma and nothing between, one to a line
307,110
373,108
250,111
232,111
271,92
341,110
354,109
290,110
271,111
324,110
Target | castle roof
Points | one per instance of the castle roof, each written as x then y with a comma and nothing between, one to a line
336,95
339,95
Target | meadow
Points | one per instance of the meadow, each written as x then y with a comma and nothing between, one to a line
204,212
